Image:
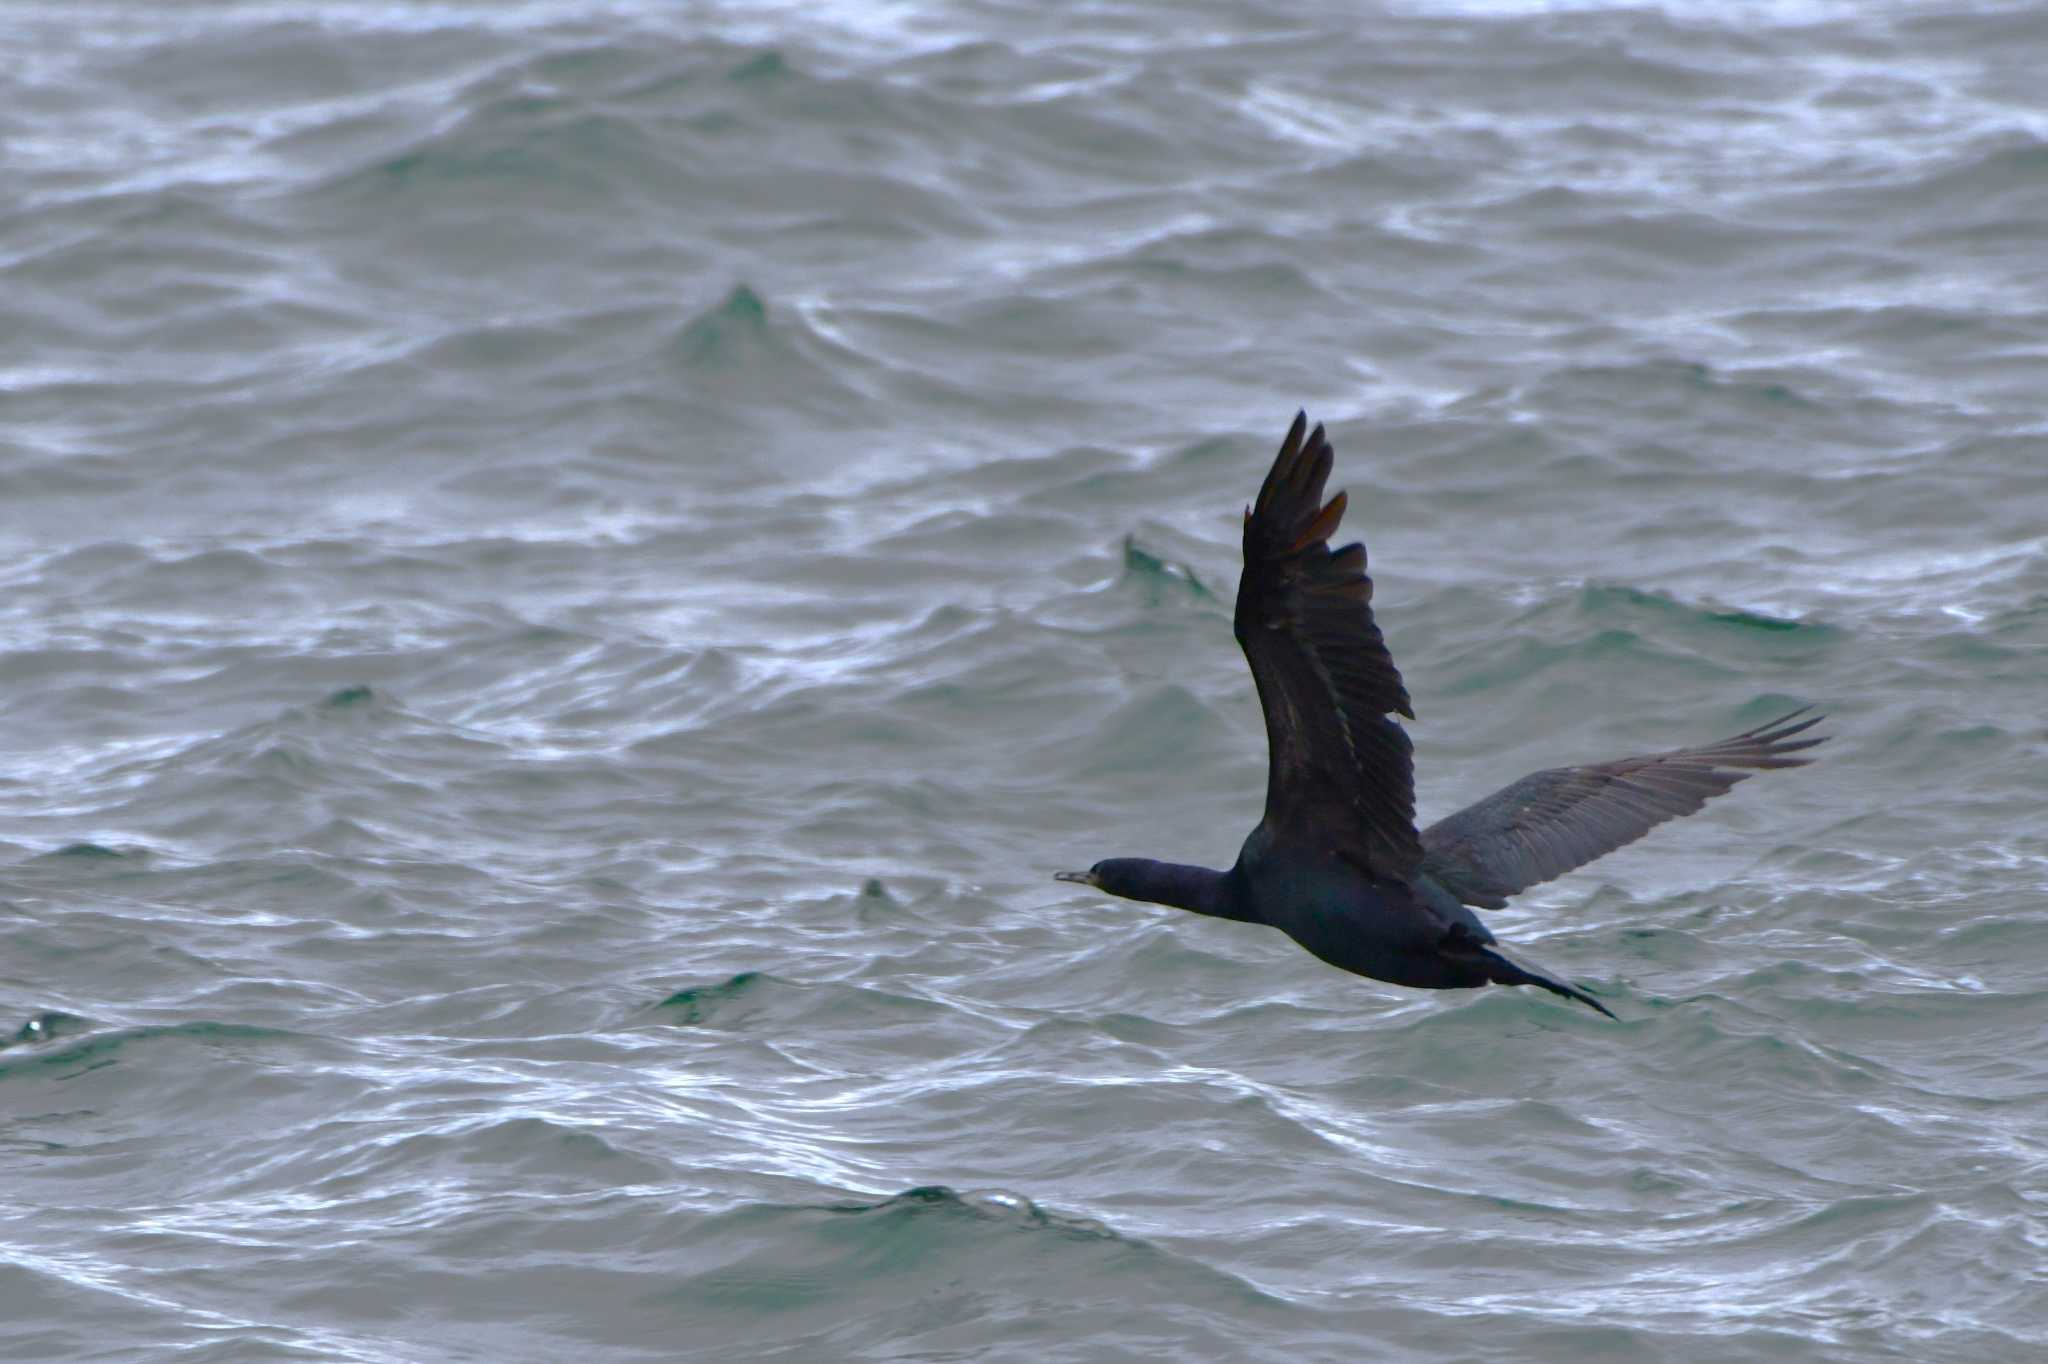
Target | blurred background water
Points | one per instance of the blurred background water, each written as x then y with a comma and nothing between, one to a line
571,570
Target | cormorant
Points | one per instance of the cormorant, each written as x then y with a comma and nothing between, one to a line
1336,863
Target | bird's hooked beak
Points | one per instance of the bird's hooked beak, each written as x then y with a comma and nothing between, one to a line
1083,878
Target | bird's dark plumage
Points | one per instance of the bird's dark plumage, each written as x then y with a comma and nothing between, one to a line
1337,764
1336,862
1552,822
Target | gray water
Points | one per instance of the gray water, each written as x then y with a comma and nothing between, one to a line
568,573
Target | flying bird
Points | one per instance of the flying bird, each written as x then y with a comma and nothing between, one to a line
1336,863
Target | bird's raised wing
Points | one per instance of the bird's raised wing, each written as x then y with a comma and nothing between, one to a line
1340,771
1550,822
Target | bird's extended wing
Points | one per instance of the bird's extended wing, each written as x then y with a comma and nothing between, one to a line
1340,770
1552,821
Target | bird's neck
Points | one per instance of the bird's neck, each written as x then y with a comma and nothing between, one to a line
1198,889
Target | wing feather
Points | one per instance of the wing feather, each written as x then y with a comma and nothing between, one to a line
1339,768
1550,822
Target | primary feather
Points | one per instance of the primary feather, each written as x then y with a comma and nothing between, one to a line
1325,679
1553,821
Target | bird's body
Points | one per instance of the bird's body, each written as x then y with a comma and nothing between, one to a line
1342,915
1337,863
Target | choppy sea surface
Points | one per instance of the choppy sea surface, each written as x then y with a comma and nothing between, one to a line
568,573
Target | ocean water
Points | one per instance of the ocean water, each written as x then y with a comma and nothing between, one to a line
568,573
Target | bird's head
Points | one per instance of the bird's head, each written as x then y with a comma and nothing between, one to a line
1164,883
1125,876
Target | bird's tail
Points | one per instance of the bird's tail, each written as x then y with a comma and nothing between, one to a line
1507,971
